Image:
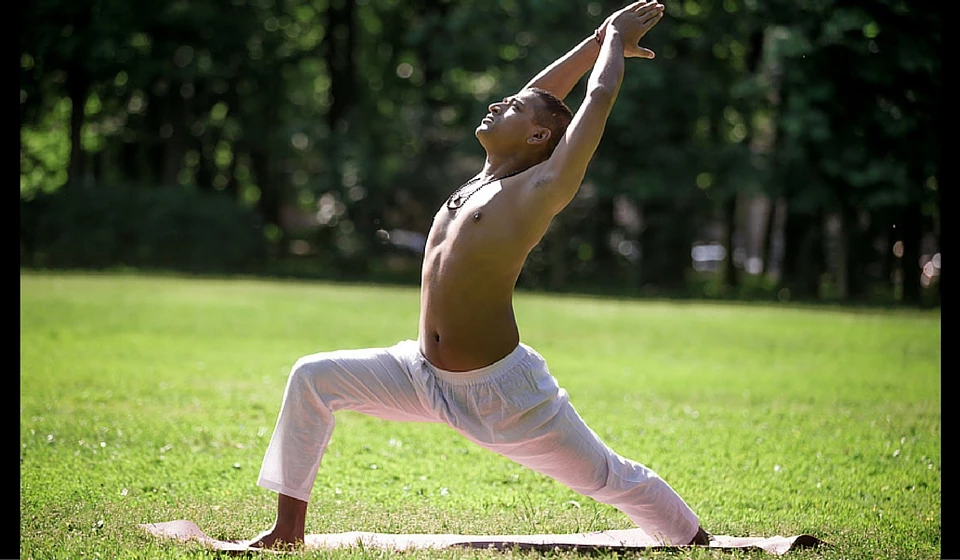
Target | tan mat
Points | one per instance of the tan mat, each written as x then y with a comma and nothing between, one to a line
617,540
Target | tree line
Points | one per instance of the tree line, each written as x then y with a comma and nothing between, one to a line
798,141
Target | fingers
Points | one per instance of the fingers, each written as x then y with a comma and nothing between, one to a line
651,18
635,20
631,7
649,9
645,17
647,6
640,10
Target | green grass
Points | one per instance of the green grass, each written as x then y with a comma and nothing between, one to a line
148,398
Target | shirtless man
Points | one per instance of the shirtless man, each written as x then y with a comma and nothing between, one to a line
468,367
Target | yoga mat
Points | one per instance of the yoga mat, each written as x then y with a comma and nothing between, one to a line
616,540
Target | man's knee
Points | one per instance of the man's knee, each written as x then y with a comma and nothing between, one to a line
315,373
595,486
626,479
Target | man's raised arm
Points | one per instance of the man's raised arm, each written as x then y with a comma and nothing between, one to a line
562,173
560,77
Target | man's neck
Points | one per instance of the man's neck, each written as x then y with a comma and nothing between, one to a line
494,167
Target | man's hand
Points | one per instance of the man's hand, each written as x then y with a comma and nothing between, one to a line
633,22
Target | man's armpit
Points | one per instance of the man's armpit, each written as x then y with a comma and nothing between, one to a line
546,192
540,182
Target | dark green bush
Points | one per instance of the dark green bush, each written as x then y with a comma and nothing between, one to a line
163,228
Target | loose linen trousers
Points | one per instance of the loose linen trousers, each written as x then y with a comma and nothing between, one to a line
513,407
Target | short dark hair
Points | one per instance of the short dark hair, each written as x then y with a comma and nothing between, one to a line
554,114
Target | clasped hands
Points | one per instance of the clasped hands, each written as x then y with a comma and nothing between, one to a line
633,22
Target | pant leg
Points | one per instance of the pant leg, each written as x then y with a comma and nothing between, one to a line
546,434
373,381
568,451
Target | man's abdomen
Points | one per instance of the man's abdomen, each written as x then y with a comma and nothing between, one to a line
466,335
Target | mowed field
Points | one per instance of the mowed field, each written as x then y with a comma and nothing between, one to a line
153,398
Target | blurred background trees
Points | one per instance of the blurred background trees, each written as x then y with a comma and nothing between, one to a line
775,149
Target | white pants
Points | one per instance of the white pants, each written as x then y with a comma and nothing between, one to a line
513,407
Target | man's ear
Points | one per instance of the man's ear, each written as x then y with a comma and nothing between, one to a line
539,137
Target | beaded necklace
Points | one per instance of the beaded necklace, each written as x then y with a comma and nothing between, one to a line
459,198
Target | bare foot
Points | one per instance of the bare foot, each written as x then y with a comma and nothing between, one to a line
288,530
275,539
701,538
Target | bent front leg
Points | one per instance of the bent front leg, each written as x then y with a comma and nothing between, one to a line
377,382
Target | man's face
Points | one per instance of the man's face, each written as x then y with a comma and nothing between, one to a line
510,120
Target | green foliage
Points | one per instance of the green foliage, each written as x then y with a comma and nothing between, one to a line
860,112
828,106
150,228
147,399
45,149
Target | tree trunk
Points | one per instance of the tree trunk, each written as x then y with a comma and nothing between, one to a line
910,226
666,246
175,146
206,168
78,88
601,223
338,53
151,143
433,150
769,230
889,267
803,255
269,180
858,254
556,255
730,279
98,166
232,188
842,249
939,227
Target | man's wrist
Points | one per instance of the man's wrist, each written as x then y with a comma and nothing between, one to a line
610,32
603,32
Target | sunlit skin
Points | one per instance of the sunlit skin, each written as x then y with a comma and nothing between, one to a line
474,253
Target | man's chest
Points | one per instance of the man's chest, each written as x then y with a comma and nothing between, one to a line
485,220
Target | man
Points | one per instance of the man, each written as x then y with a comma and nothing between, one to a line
468,367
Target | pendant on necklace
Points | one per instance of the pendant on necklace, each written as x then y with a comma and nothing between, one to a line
457,199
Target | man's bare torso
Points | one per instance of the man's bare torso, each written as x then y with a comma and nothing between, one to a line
471,263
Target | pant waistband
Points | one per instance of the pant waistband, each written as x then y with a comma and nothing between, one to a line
519,355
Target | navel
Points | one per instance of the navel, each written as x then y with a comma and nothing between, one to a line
436,338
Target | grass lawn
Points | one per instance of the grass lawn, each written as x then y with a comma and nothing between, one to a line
150,398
